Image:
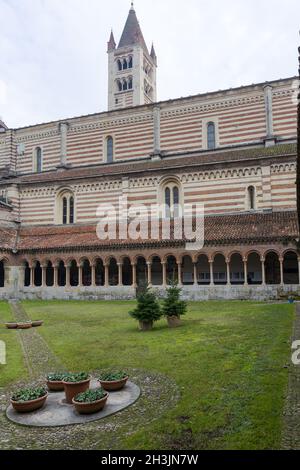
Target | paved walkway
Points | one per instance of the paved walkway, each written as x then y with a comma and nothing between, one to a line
39,358
291,432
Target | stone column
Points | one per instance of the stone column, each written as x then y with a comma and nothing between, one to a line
245,272
156,125
149,266
55,277
68,275
269,111
120,274
134,284
263,272
211,267
179,274
281,260
44,274
93,271
228,271
80,276
164,270
195,275
63,128
32,276
106,275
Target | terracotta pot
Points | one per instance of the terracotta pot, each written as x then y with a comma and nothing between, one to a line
115,385
24,326
11,326
74,388
29,406
90,408
146,325
174,322
35,324
55,386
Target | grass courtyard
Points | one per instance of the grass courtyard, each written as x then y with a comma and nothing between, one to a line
228,361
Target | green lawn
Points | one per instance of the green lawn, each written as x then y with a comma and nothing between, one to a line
15,367
228,360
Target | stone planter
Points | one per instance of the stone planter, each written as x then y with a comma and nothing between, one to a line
146,325
90,408
55,386
24,326
29,406
74,388
115,385
38,323
11,326
174,322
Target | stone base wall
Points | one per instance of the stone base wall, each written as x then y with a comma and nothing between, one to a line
198,293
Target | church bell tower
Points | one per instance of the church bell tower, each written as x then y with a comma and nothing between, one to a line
131,68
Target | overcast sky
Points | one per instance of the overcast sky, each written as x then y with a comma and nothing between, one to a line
53,61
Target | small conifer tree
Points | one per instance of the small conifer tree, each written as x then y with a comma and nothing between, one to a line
148,308
173,306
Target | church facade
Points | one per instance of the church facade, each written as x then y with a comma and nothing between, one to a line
234,151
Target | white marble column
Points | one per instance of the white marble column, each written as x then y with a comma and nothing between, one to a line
149,273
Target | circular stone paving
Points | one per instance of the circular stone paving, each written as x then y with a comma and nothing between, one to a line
57,412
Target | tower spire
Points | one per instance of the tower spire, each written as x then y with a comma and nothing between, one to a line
111,45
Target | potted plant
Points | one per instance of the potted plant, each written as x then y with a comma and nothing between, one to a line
113,381
173,306
11,325
30,399
148,309
291,299
75,384
37,323
55,381
25,326
90,401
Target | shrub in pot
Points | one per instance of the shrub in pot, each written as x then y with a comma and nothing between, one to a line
90,401
113,381
173,306
148,309
55,381
75,384
29,399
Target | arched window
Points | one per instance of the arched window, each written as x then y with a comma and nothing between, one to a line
109,149
130,62
66,208
125,66
251,198
119,84
172,200
119,65
38,160
130,83
211,136
125,86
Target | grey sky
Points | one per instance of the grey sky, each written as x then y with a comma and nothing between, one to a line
53,61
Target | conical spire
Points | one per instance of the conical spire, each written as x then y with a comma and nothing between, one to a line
132,33
153,54
111,45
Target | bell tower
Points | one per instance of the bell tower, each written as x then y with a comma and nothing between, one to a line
131,68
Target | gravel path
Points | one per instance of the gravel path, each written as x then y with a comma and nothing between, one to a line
159,394
291,433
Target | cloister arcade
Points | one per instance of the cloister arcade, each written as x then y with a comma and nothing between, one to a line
268,268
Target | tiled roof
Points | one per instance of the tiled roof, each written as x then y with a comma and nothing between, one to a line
8,238
219,230
193,160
